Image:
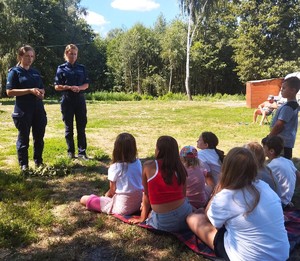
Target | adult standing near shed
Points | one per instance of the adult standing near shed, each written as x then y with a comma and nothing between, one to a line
25,83
72,80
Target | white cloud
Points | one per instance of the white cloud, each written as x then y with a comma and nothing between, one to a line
135,5
93,18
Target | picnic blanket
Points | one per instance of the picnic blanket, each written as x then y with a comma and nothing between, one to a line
292,225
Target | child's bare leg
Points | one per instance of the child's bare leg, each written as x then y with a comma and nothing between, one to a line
84,199
200,225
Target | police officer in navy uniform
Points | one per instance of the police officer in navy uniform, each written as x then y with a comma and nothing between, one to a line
72,80
26,85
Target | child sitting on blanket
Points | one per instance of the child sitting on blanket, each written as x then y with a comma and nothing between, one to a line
284,169
164,181
264,172
244,219
125,192
197,190
209,155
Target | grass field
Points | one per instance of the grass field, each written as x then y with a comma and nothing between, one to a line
40,217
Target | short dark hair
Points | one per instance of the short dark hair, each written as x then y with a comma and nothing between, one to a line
292,82
275,143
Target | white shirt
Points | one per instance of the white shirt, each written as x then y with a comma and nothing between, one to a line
211,162
285,172
259,235
128,176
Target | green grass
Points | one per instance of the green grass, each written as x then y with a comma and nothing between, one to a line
40,214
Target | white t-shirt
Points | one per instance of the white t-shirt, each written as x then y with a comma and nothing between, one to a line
211,162
285,172
128,176
259,235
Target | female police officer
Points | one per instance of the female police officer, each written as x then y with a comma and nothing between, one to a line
26,84
71,79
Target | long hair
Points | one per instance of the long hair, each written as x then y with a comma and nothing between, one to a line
22,50
168,152
238,171
125,149
68,48
212,141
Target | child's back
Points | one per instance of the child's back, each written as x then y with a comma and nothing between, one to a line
195,187
125,192
128,176
265,174
211,162
283,169
195,182
209,155
285,172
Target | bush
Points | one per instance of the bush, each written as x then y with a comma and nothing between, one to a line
173,96
122,96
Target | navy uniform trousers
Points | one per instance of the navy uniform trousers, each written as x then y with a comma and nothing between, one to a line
74,105
32,116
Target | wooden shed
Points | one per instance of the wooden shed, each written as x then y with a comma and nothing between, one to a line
258,91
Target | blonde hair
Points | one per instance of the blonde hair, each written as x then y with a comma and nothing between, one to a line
68,48
238,171
258,151
22,50
190,162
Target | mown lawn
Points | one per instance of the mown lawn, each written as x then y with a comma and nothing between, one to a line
40,217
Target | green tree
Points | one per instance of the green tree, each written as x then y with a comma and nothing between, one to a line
197,11
114,60
267,43
47,25
139,51
211,55
173,47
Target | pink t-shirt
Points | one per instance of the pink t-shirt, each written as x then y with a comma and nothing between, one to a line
195,187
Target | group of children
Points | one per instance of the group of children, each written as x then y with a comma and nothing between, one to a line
205,191
233,203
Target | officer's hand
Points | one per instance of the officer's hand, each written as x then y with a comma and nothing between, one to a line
42,93
75,88
38,93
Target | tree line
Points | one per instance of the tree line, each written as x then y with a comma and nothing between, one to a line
233,42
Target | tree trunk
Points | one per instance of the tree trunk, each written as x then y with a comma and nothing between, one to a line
170,79
138,76
187,67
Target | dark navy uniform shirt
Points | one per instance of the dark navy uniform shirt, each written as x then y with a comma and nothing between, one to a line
20,78
68,74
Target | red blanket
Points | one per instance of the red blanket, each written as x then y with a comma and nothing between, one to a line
194,243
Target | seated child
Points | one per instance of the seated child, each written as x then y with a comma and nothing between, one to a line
283,169
165,206
244,219
195,183
209,155
125,192
264,172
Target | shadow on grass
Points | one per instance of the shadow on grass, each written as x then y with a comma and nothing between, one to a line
78,234
126,243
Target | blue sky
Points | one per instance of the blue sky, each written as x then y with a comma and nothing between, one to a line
104,15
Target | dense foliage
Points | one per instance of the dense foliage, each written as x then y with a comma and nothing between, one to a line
235,43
